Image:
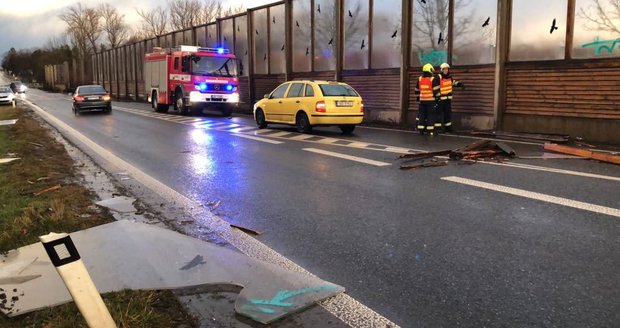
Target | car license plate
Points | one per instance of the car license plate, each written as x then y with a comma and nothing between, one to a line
344,104
218,97
92,98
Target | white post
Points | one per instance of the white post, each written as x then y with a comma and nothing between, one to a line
65,257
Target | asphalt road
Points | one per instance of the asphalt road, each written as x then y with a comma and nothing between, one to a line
420,250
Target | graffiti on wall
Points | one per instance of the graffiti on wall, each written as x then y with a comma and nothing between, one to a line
435,57
600,45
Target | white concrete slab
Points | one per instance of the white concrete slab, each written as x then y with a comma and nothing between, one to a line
129,255
119,204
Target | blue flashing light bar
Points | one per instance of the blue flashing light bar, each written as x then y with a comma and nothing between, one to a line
229,87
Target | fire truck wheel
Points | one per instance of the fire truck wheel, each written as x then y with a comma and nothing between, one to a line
178,103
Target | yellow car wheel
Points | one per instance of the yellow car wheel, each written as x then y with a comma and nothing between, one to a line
261,122
302,123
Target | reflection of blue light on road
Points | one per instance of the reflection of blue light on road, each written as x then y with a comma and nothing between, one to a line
201,164
201,137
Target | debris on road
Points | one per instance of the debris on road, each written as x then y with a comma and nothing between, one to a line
433,163
522,136
481,149
586,153
36,144
246,229
56,187
137,256
426,155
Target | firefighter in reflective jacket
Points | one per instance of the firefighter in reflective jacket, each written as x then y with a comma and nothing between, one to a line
446,83
427,89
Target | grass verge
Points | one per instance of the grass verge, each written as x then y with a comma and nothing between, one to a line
27,211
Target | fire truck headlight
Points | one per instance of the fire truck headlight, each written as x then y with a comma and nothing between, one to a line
234,98
194,96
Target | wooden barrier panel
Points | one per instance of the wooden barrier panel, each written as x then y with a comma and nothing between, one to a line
573,89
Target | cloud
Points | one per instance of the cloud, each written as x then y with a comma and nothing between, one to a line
33,32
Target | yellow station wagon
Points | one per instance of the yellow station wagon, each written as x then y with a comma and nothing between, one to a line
306,104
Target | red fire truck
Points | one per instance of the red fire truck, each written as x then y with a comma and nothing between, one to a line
193,79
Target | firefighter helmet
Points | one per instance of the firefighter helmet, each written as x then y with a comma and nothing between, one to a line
444,65
428,68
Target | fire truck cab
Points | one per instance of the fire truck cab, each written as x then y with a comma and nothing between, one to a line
192,79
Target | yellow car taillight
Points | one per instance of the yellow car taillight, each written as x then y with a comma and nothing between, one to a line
320,106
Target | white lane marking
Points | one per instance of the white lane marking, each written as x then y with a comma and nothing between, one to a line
348,157
537,196
257,138
342,306
553,170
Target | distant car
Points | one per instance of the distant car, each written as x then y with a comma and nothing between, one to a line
6,96
306,104
18,87
89,98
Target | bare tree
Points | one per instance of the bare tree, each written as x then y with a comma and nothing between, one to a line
154,21
211,10
113,25
184,13
83,27
602,16
232,10
431,22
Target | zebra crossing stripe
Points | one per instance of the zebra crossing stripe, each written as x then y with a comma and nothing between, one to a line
278,134
301,137
327,140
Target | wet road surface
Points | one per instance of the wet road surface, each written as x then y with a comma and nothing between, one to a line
418,249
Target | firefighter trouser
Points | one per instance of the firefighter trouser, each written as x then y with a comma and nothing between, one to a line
445,114
426,116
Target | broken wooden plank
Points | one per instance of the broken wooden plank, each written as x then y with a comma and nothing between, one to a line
477,145
426,155
477,154
422,165
599,156
56,187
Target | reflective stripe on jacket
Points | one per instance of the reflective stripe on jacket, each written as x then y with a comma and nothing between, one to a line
425,85
445,86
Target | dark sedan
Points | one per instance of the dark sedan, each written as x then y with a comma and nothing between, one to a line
89,98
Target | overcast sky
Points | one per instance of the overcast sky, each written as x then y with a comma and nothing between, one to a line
30,23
